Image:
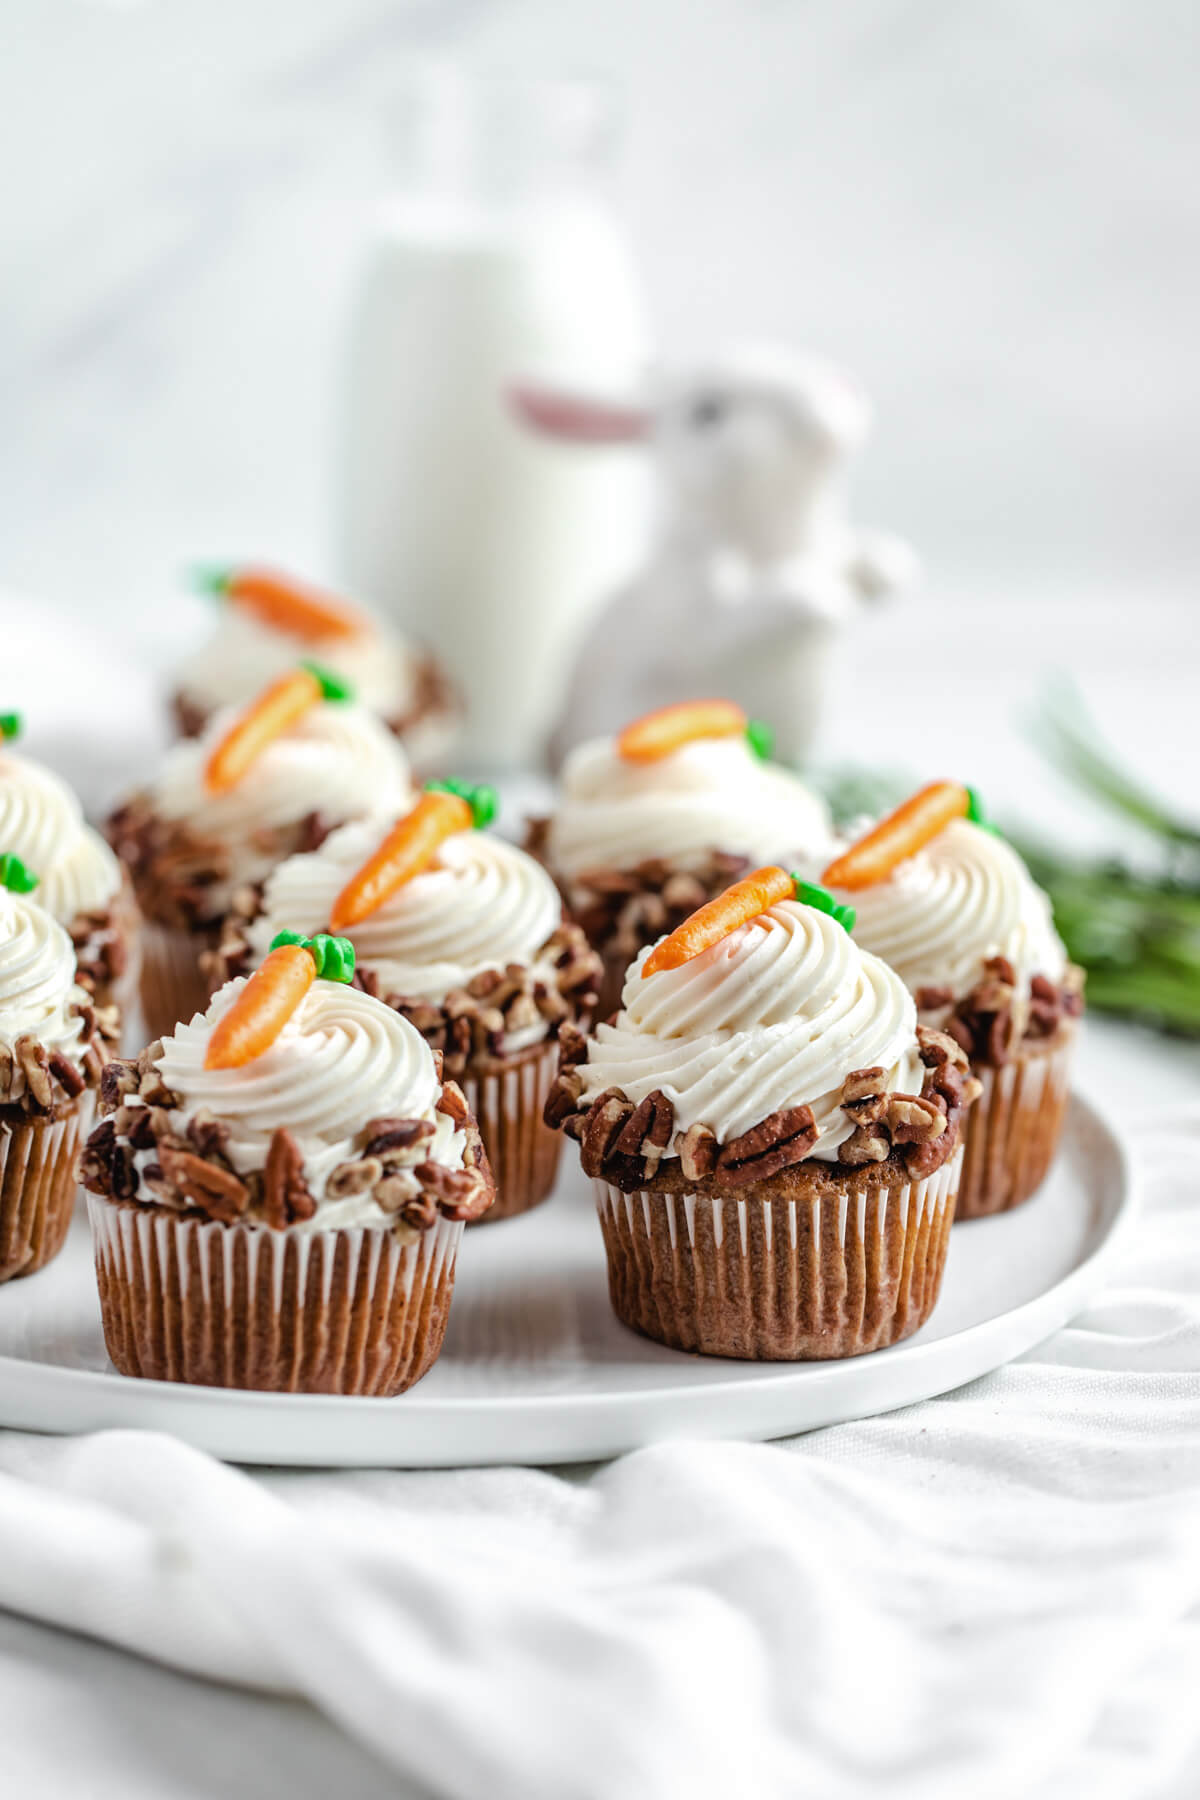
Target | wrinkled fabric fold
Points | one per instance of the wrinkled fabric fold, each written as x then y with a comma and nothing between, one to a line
969,1596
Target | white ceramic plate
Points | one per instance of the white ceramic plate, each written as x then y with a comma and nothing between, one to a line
536,1369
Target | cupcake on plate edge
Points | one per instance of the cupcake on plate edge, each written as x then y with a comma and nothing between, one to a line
255,787
948,903
654,822
278,1190
79,880
462,933
54,1045
773,1140
267,620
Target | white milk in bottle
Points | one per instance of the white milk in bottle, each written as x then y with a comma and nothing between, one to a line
494,258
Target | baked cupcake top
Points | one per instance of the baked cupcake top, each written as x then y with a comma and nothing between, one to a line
39,997
710,793
755,1038
964,898
53,1042
265,621
338,760
292,1101
42,822
772,1017
481,904
954,910
259,784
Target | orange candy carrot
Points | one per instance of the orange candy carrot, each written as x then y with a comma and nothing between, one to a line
409,847
276,709
657,734
286,604
899,836
273,993
717,918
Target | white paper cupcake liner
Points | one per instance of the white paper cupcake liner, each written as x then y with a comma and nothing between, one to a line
352,1311
1012,1131
521,1147
779,1280
38,1184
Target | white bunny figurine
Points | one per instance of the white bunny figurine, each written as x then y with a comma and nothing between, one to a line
756,565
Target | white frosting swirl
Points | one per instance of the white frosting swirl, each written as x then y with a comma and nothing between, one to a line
341,1060
711,794
966,896
243,654
38,994
338,760
41,821
483,904
775,1015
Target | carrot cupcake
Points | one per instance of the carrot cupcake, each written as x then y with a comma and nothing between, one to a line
53,1048
278,1191
79,880
255,787
773,1139
659,819
463,934
953,909
268,620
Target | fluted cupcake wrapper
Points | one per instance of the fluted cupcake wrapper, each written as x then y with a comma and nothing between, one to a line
173,986
351,1311
769,1279
1012,1131
521,1147
38,1184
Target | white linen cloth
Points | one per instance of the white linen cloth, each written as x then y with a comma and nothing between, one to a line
994,1593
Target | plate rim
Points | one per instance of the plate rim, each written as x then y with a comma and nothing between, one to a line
972,1350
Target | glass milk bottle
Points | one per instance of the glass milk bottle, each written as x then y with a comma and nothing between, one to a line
495,256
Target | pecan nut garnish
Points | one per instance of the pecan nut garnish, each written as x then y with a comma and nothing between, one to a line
286,1198
783,1138
34,1064
602,1125
698,1150
218,1192
863,1095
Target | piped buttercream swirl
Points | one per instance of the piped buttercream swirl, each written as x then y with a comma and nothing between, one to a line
38,993
483,904
242,655
963,898
338,761
775,1015
712,794
42,822
342,1060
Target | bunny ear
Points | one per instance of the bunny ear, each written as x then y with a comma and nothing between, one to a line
577,418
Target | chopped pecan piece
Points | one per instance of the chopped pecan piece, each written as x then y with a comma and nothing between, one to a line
698,1151
602,1125
461,1193
933,998
353,1177
863,1097
783,1138
866,1144
218,1192
34,1064
396,1134
286,1198
67,1075
914,1120
647,1130
563,1098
